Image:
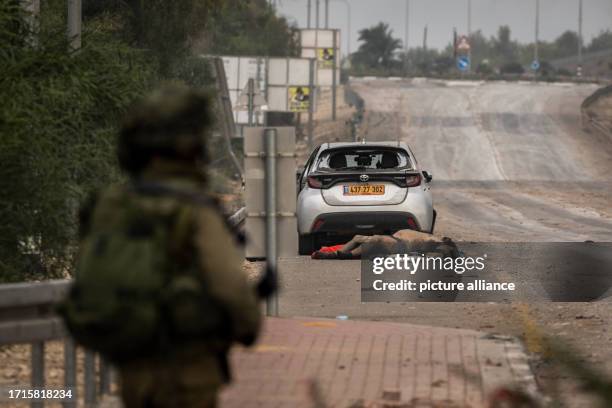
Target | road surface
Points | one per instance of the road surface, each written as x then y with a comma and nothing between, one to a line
510,164
510,161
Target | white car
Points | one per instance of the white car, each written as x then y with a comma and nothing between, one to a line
366,188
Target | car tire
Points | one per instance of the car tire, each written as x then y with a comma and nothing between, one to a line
433,222
306,244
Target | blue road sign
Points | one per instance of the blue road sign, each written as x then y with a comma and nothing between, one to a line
463,63
535,65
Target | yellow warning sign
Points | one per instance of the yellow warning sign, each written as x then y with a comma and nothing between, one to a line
299,98
325,57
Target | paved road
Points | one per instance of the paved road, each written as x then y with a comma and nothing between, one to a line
510,161
510,164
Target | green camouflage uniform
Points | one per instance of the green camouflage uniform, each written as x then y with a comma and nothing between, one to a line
162,143
190,375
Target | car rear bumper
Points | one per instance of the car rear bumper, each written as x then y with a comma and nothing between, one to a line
372,222
311,207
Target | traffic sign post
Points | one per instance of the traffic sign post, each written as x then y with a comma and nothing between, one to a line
463,63
463,45
463,52
250,99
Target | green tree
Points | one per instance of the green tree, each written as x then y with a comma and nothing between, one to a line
504,47
419,61
172,31
59,110
378,47
481,47
240,27
484,68
566,44
58,116
167,29
603,41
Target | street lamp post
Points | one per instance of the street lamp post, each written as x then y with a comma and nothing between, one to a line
308,13
74,23
579,67
469,30
406,37
469,18
536,50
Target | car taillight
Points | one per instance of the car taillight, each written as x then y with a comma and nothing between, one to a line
413,180
412,224
317,225
314,182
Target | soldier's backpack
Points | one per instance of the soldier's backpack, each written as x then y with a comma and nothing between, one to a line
137,289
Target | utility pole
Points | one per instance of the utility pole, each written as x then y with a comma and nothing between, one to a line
311,86
271,199
309,12
579,68
317,8
469,30
74,24
469,18
32,8
455,44
326,14
406,38
536,50
251,99
335,46
425,58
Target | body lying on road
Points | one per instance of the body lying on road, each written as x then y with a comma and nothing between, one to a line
402,241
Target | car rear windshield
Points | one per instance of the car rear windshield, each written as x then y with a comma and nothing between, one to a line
363,159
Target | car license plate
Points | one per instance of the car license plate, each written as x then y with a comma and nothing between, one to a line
364,189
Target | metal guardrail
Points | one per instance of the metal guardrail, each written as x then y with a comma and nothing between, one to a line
228,127
491,77
27,315
238,217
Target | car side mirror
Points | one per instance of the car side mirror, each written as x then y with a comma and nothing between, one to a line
428,177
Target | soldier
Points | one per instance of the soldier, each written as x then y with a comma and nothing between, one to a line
178,357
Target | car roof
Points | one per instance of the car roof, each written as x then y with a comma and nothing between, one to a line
335,145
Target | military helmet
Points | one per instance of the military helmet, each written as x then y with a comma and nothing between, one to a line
171,122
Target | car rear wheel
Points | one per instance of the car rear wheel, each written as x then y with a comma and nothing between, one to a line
433,223
307,244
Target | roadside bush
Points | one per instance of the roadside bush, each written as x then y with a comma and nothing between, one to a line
512,68
59,110
547,69
484,69
58,116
